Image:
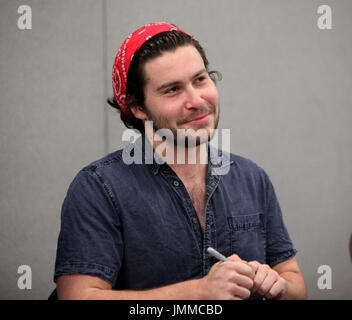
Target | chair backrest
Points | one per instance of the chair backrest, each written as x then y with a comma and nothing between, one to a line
53,295
351,247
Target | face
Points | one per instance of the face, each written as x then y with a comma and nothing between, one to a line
179,94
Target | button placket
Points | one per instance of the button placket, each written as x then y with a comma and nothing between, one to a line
209,232
180,189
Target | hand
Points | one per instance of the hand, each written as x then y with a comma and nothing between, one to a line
230,280
267,282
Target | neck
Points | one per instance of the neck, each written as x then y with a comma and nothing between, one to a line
190,163
186,161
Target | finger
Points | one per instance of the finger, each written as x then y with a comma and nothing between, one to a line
278,289
268,282
240,292
260,276
242,281
244,268
254,265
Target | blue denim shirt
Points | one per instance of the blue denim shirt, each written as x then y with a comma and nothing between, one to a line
136,227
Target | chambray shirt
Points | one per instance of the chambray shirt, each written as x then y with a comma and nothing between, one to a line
135,226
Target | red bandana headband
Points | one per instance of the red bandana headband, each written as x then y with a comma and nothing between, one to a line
124,57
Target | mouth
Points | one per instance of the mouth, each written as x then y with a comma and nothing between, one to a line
201,119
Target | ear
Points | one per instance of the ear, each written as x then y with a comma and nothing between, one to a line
139,113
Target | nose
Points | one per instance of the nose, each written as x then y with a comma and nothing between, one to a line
193,98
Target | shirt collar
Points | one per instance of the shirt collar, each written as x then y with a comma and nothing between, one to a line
219,160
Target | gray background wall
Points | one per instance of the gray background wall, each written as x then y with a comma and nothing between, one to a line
285,95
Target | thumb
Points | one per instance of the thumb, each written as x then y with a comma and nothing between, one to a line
235,258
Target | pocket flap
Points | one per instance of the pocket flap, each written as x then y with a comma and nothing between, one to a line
246,222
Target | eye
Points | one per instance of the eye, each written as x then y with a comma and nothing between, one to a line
172,90
200,79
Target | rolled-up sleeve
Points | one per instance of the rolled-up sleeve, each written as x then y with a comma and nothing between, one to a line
279,245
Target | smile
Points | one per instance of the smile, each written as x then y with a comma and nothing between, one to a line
201,119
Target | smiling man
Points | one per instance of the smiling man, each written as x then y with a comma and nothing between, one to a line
141,231
180,91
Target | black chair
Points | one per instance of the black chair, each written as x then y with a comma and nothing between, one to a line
53,295
351,247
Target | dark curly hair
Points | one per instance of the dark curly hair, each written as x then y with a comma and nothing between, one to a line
153,48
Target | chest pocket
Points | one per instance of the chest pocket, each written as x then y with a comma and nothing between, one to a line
247,236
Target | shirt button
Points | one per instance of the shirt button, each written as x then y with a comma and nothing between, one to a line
176,183
194,220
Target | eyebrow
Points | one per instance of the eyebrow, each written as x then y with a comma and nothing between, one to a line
173,83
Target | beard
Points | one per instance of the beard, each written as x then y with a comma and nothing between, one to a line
185,138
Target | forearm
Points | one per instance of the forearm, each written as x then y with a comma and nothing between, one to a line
296,288
187,290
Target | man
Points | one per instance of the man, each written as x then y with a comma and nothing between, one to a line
141,230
